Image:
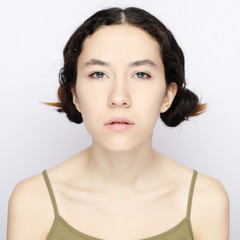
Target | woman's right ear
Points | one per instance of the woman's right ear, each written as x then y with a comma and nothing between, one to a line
75,99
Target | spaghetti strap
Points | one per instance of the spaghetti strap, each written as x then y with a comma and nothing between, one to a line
50,190
190,196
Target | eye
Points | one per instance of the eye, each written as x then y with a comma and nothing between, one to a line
142,75
98,75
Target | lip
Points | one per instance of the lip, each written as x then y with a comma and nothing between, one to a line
120,120
119,124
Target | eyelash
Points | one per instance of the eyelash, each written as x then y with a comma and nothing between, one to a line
147,76
93,75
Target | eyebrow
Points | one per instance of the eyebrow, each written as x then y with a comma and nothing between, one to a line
94,61
142,63
137,63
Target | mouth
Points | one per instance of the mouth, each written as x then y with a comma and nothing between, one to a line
119,120
119,124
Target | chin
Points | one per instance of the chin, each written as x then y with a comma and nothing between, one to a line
119,149
119,145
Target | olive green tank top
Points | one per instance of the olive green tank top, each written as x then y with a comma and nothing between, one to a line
61,230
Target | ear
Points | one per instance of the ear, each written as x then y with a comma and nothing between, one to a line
169,97
75,99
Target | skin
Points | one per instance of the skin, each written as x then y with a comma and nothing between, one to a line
120,182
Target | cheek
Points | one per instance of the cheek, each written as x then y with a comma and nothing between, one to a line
152,100
90,102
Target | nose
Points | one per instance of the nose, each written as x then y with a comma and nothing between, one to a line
119,97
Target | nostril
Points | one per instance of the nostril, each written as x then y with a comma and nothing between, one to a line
119,101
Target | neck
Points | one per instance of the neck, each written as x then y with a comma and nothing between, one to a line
121,171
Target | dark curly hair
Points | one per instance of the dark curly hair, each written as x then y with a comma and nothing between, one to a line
185,103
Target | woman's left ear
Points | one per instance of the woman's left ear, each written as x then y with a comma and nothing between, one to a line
169,97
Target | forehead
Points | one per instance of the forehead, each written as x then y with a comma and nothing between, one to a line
119,42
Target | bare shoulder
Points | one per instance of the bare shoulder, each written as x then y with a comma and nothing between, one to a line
29,213
210,193
26,187
210,203
211,186
210,209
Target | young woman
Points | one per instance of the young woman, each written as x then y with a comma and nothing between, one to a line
122,69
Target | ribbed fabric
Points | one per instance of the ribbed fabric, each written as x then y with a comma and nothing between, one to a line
61,230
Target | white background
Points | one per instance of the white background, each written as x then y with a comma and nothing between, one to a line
34,137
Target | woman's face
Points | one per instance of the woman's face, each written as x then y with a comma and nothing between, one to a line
120,77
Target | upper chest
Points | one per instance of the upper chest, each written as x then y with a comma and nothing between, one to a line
143,214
